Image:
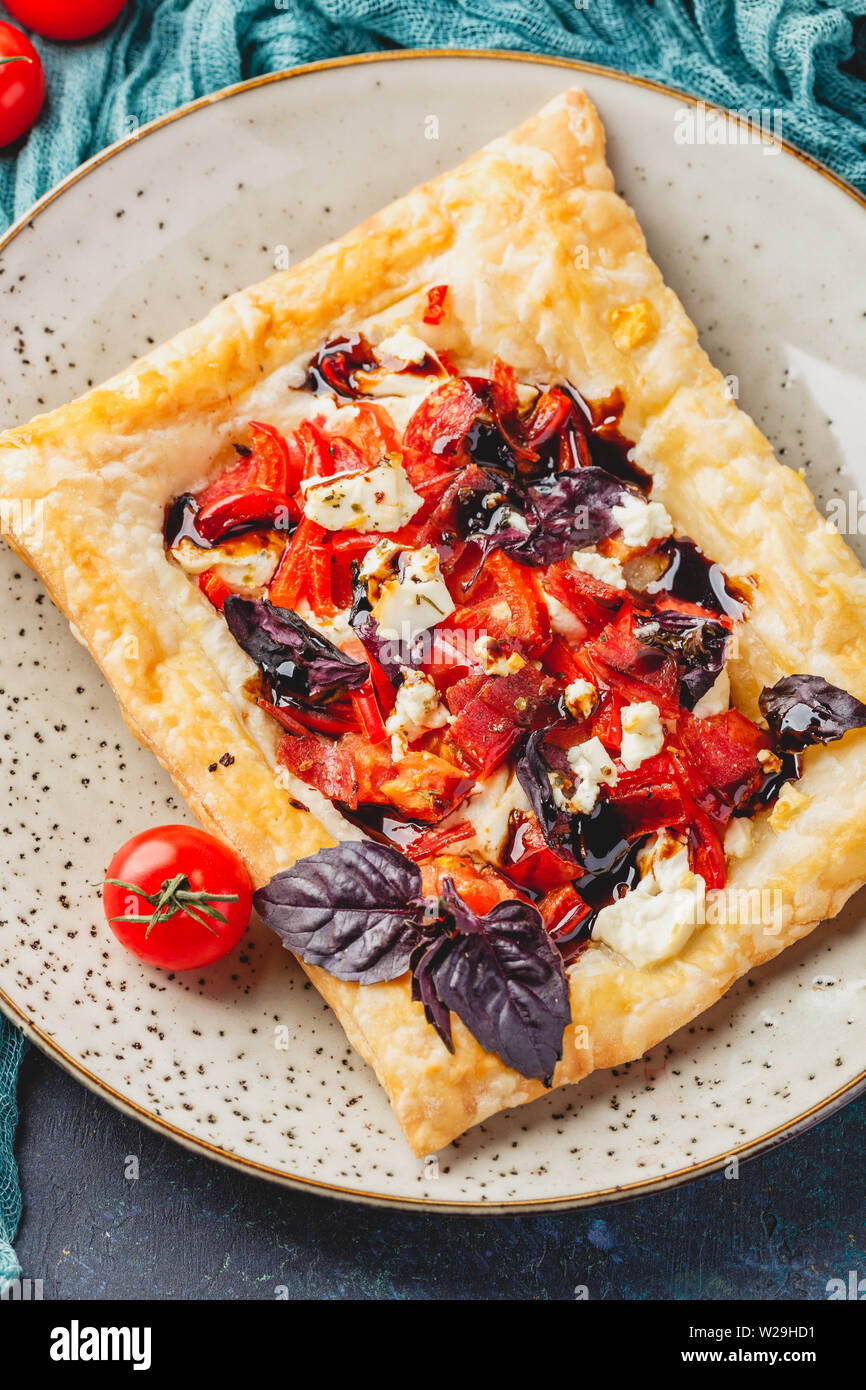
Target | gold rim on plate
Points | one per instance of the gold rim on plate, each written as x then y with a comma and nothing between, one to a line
821,1110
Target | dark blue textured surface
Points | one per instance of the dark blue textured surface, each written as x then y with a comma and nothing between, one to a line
188,1228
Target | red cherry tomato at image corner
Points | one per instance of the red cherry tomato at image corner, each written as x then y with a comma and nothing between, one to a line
209,868
65,19
22,84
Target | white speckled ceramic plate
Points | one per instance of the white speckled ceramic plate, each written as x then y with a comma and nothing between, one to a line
140,243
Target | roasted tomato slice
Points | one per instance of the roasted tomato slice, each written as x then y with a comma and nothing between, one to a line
531,862
593,603
273,464
421,786
650,798
632,668
480,886
442,421
722,753
425,787
495,713
327,766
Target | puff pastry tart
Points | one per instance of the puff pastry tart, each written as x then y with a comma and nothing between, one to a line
540,677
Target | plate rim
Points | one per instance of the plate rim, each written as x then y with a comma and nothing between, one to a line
822,1109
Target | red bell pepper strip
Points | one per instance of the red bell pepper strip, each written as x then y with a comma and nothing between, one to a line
549,414
273,464
710,860
244,509
518,585
317,585
448,661
318,463
435,311
287,583
563,910
372,431
559,661
368,714
332,719
366,700
379,684
214,587
435,841
532,863
278,462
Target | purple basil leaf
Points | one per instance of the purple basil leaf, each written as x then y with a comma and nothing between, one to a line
573,510
487,504
354,910
390,652
807,709
503,976
294,658
424,987
532,769
698,644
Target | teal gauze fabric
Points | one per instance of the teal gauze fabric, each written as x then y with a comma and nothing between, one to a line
805,60
12,1047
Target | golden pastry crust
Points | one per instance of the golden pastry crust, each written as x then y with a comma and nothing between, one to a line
547,268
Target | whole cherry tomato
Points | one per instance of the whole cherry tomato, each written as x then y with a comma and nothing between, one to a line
22,84
65,19
177,897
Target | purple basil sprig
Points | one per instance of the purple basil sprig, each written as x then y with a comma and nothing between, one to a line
357,911
543,522
807,709
502,975
295,660
700,646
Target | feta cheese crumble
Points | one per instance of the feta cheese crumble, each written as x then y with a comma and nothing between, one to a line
243,562
404,345
382,499
563,621
414,599
738,838
717,699
642,733
606,568
593,768
580,698
489,810
378,563
495,662
417,709
640,521
655,920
